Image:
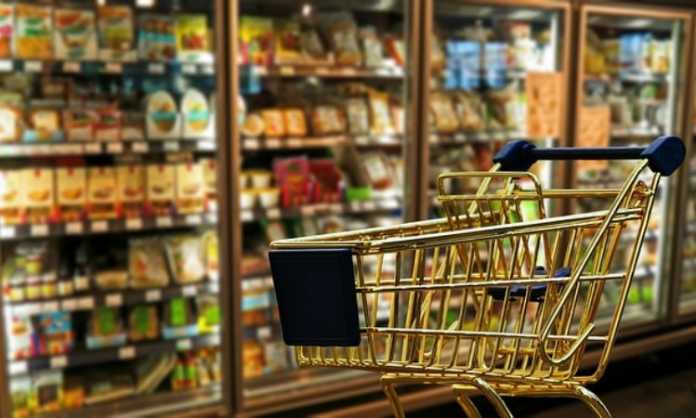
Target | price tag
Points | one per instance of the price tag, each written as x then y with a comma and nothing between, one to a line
286,70
49,307
370,206
247,216
33,66
355,206
72,228
126,353
33,309
322,71
214,287
6,65
99,226
348,71
113,67
460,137
71,67
307,210
189,291
114,299
40,230
294,142
184,345
189,69
81,283
335,208
18,367
194,219
86,303
362,140
93,148
7,232
273,143
273,213
141,147
212,218
69,305
263,332
154,295
171,146
251,144
59,362
164,221
134,224
206,145
114,147
213,340
155,68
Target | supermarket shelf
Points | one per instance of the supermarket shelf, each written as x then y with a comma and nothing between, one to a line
633,133
19,232
475,137
628,78
369,206
253,144
115,298
102,148
326,71
85,357
106,67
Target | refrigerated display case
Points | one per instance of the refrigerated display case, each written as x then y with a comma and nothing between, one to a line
324,132
631,89
113,294
498,71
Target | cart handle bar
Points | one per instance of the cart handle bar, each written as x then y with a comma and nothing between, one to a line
665,154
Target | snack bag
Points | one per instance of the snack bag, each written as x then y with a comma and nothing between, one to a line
192,38
116,35
75,35
11,196
186,254
162,115
212,254
156,38
34,32
190,188
131,190
178,320
101,194
143,323
379,112
372,47
342,33
38,189
358,116
210,178
146,263
295,123
196,114
72,192
7,20
161,182
445,118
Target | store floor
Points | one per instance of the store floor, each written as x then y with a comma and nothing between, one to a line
658,385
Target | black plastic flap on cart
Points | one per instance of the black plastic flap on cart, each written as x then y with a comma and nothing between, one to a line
315,289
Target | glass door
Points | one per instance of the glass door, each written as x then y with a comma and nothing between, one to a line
631,82
108,209
498,72
323,138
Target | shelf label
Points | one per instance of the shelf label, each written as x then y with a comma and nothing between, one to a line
294,142
18,367
206,145
273,143
369,206
69,305
171,146
263,332
33,66
164,221
189,291
286,70
335,208
86,303
212,218
114,147
273,213
188,68
72,228
6,65
126,353
93,148
99,226
213,340
460,137
139,147
114,299
33,309
251,143
81,283
307,210
71,67
59,362
155,68
40,230
50,307
184,345
247,216
134,223
194,219
154,295
322,71
7,232
113,67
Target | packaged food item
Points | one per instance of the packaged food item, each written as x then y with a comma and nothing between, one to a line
372,47
313,48
47,391
73,392
72,192
75,35
11,196
162,116
443,111
143,323
34,36
161,181
198,122
178,320
256,39
252,359
105,328
38,187
131,189
116,33
101,192
342,33
133,126
328,183
10,123
397,50
190,188
210,178
111,279
274,123
398,118
44,125
186,255
55,333
295,123
7,21
379,112
208,310
293,179
503,109
254,126
80,124
276,355
378,170
288,48
156,37
110,124
268,197
20,393
147,264
470,111
212,254
19,343
260,179
328,120
358,116
193,38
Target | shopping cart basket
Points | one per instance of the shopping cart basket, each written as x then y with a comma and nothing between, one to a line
496,298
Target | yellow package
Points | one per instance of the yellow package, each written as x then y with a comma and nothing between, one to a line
295,123
11,197
274,123
101,193
72,192
39,194
34,37
190,188
116,35
379,113
10,124
193,38
131,189
161,182
443,111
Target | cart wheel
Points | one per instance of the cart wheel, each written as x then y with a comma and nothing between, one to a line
593,401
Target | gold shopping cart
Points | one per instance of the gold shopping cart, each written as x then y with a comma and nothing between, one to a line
496,298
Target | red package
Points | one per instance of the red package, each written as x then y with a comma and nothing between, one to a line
294,180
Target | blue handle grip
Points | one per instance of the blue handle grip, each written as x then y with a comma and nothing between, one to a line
665,154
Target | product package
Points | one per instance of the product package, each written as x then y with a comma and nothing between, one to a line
372,47
190,188
178,320
293,179
444,116
254,126
133,126
72,192
329,180
7,21
163,120
55,334
147,264
101,192
288,49
161,186
143,323
34,35
378,170
11,197
110,124
186,254
212,254
38,188
208,310
105,328
379,112
21,394
295,123
47,391
197,117
274,123
131,190
341,31
44,125
256,39
328,120
20,344
358,116
80,124
75,36
193,38
10,123
116,33
156,38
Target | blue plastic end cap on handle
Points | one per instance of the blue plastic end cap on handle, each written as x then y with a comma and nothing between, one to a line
516,156
665,154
